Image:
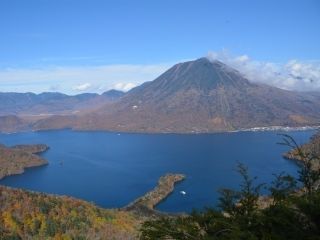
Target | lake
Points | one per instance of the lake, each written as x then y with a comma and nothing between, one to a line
113,169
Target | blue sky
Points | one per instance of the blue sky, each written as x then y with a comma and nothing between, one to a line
94,45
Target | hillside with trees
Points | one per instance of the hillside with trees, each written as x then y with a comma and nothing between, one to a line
30,215
13,160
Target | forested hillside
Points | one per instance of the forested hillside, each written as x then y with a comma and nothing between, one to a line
29,215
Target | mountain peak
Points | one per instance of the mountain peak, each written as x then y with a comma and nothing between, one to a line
200,75
206,60
193,96
113,93
206,96
202,60
215,64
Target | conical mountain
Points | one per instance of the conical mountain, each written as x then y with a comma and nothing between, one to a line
203,96
201,75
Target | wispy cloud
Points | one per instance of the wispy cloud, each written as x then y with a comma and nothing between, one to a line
73,79
124,86
292,75
82,87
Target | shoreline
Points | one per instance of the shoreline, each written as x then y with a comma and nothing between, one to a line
253,129
145,205
16,159
141,207
278,128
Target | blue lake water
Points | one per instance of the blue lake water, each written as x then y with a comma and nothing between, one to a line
112,170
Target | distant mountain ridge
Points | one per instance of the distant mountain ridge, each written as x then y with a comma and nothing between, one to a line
195,96
52,102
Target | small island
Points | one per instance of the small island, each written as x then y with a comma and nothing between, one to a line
145,204
14,160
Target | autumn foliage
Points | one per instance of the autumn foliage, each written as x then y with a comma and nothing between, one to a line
29,215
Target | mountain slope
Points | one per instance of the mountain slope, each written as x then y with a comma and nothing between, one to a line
194,96
203,96
12,123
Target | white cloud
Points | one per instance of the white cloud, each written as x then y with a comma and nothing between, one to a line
82,87
124,86
64,79
293,75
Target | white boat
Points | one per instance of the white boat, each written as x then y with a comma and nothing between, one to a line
183,192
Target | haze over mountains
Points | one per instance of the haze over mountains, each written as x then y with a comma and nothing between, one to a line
194,96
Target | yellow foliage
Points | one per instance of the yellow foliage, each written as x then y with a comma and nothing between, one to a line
39,216
8,221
